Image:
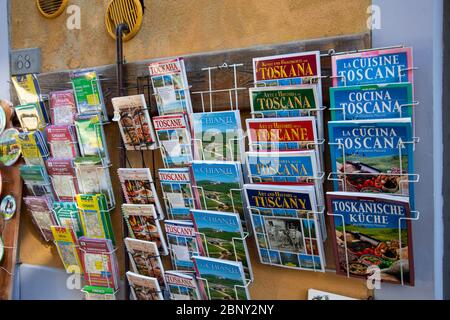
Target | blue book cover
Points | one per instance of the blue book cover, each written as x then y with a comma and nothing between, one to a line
372,156
373,67
286,226
221,279
222,237
182,244
182,286
372,230
177,192
367,102
218,136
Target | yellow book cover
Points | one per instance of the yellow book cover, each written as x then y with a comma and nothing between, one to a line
66,243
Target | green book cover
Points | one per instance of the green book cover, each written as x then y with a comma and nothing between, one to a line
67,215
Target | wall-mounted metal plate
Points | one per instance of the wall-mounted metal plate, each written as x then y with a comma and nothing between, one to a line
25,61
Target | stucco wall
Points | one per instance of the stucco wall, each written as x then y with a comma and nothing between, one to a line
177,27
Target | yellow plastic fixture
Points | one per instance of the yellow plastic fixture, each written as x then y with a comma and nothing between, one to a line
124,11
51,8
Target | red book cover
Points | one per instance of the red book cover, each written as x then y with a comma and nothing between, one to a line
63,178
62,141
62,107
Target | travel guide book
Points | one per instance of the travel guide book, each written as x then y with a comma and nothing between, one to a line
88,93
218,187
174,139
145,259
138,188
372,233
91,137
143,287
63,178
99,262
372,156
67,245
30,117
143,224
221,279
98,293
182,243
40,210
37,180
217,136
373,67
62,107
33,147
93,177
286,226
171,87
67,215
182,286
373,101
176,186
62,140
29,92
135,126
221,236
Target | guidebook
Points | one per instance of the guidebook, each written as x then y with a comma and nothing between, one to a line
373,67
67,245
33,147
93,177
67,215
91,137
174,139
99,262
182,244
221,236
62,141
144,288
145,259
171,87
29,92
132,115
286,226
374,101
138,188
182,286
218,136
88,93
372,156
37,180
176,186
372,234
41,214
63,178
30,117
218,187
62,107
143,224
221,279
98,293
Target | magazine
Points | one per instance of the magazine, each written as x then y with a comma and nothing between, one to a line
33,147
40,209
373,67
28,92
221,236
182,286
143,224
91,137
88,93
171,87
63,178
144,288
145,259
67,215
138,188
93,177
135,126
98,293
221,279
176,186
374,101
95,218
66,243
37,181
372,156
182,244
174,139
314,294
372,233
99,262
30,117
286,226
218,136
62,107
218,187
62,141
